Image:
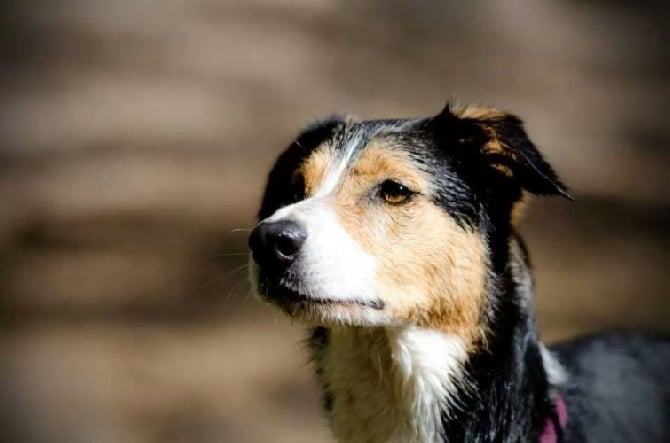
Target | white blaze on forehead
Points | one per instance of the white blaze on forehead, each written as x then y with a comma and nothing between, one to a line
338,168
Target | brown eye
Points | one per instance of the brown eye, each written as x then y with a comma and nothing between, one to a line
394,193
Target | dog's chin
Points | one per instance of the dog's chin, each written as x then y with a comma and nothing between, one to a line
314,311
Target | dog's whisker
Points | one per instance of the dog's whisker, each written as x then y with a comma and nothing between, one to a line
236,230
243,267
222,278
235,286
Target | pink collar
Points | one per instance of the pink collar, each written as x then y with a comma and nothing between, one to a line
550,433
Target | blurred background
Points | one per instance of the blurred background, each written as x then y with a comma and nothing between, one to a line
135,137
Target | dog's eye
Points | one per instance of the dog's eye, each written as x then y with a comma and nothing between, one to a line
394,193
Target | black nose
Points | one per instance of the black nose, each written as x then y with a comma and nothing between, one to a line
277,243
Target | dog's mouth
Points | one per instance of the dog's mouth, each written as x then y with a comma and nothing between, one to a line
290,299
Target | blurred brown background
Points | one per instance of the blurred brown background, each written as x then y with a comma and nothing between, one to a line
135,136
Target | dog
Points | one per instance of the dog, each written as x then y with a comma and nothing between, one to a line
396,242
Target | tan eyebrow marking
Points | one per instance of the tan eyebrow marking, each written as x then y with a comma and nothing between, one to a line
325,169
380,161
315,168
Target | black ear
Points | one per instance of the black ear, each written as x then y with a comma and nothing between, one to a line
504,143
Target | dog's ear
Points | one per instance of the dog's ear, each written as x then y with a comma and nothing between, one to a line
506,149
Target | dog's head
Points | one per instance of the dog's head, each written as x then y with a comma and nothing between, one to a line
390,222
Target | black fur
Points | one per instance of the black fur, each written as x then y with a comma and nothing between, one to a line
619,388
511,401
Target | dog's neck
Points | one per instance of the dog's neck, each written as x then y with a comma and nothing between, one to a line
412,384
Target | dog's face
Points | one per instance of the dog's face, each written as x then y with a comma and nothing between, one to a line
389,222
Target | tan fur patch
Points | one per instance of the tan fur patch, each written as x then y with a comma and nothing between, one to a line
479,113
503,169
431,271
380,161
520,208
315,167
494,145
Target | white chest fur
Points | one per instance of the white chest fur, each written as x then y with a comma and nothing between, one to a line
392,384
